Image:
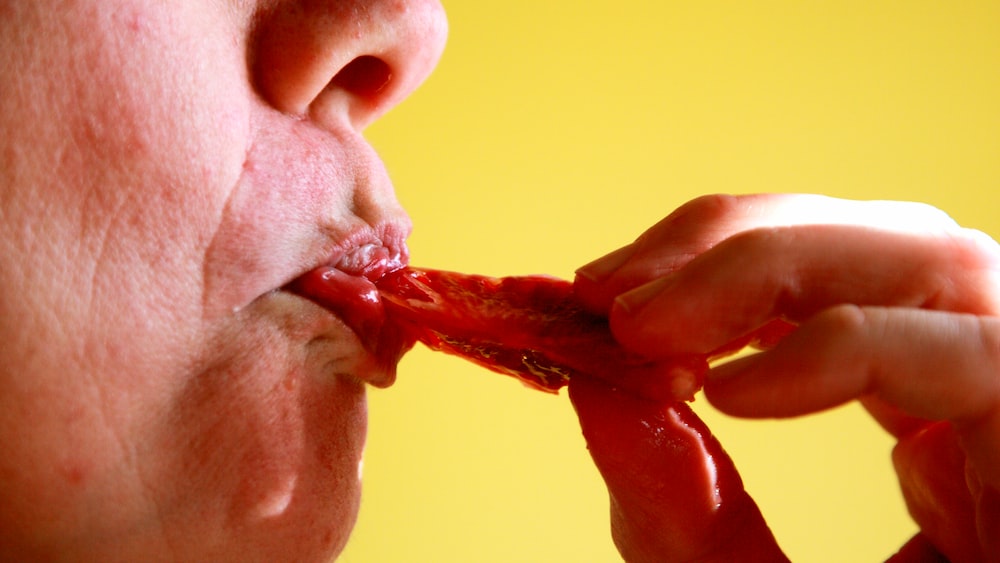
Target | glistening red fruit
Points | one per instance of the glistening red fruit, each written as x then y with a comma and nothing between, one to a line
676,494
529,327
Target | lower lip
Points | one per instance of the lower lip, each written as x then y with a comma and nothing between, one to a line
356,301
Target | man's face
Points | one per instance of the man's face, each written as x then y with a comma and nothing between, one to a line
165,168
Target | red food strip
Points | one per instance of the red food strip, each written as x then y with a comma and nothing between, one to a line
528,327
533,328
676,495
354,298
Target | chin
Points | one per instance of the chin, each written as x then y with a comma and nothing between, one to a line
281,482
268,441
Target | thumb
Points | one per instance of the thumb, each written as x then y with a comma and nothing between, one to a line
675,494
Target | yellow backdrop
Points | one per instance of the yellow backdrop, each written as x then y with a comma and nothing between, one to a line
556,130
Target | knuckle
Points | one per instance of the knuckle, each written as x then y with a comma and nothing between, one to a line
712,207
975,270
988,329
849,321
979,390
978,249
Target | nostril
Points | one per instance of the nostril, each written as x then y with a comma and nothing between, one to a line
364,76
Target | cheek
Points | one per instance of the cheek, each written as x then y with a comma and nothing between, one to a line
108,314
149,179
139,134
159,158
100,411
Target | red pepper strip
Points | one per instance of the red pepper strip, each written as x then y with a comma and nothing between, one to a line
533,328
529,327
675,493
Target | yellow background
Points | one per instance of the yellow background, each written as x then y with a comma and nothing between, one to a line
555,131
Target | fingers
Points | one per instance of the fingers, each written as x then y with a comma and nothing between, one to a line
720,265
704,222
795,272
932,475
910,366
933,365
895,304
892,418
928,364
675,494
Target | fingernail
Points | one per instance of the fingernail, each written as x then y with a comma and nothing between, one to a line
633,301
602,268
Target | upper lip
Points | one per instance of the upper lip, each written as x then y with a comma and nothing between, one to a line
371,260
368,252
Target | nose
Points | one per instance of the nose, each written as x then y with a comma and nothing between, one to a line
345,59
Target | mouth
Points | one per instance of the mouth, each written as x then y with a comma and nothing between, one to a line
346,288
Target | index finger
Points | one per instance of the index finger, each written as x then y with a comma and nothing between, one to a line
795,272
702,223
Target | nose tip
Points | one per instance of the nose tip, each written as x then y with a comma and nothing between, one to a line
350,59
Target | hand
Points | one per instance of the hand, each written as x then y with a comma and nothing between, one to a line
896,306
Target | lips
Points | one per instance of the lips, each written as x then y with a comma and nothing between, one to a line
347,289
371,261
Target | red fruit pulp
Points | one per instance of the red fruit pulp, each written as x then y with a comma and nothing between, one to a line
654,453
357,301
528,327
